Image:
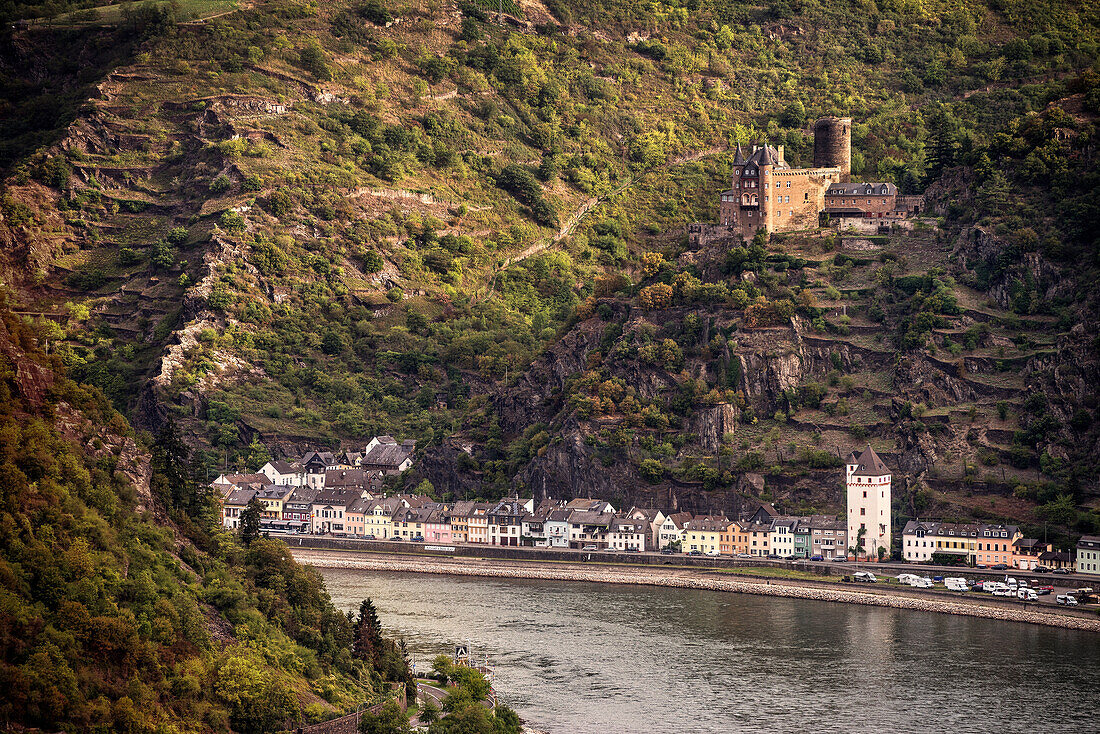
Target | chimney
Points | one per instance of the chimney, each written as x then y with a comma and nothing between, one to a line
782,160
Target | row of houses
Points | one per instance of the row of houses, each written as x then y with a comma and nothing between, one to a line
579,524
992,545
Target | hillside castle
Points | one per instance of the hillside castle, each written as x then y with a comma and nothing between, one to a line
766,193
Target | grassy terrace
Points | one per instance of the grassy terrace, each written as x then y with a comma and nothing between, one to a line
188,10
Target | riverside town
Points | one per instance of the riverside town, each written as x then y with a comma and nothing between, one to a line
339,495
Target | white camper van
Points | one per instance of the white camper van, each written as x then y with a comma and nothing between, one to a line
952,583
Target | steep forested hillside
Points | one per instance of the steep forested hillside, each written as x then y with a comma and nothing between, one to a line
295,223
122,608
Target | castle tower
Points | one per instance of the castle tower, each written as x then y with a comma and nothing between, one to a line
833,144
868,482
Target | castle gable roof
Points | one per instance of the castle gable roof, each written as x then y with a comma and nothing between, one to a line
766,155
862,189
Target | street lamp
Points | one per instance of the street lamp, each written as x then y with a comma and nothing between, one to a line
357,710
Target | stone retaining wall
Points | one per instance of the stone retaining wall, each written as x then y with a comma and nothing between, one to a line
693,580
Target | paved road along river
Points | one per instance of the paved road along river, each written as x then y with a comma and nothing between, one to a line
587,658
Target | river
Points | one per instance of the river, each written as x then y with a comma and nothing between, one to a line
584,658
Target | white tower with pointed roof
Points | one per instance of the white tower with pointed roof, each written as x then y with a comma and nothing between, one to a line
868,483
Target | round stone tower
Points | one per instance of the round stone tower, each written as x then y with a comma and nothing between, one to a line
833,144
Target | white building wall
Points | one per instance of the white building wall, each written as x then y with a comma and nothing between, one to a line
869,505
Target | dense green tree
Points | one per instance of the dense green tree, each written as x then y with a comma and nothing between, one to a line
250,521
389,720
368,643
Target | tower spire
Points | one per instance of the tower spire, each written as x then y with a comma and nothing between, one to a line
739,156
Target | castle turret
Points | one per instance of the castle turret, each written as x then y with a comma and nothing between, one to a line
833,144
739,156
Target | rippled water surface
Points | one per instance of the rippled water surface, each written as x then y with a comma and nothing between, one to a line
590,658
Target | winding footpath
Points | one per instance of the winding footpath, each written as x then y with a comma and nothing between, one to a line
689,579
582,211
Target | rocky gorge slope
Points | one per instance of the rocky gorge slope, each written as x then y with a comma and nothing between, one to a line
294,226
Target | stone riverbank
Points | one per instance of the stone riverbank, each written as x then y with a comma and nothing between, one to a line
691,579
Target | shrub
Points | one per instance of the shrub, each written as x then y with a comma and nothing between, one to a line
372,261
312,58
651,470
220,184
163,255
376,12
231,221
652,297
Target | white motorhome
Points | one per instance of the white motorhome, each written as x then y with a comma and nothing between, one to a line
953,583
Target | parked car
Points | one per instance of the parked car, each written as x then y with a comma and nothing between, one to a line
368,537
773,556
1041,590
937,579
816,558
744,555
589,548
713,553
667,551
394,537
695,552
999,567
840,559
418,539
1042,569
1062,571
1066,600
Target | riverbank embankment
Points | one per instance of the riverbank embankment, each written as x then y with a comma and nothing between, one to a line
693,579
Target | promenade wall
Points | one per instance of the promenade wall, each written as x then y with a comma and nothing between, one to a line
513,553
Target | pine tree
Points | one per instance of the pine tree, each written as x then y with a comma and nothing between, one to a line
250,521
367,644
942,150
173,472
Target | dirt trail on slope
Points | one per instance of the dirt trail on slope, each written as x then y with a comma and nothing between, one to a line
587,206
